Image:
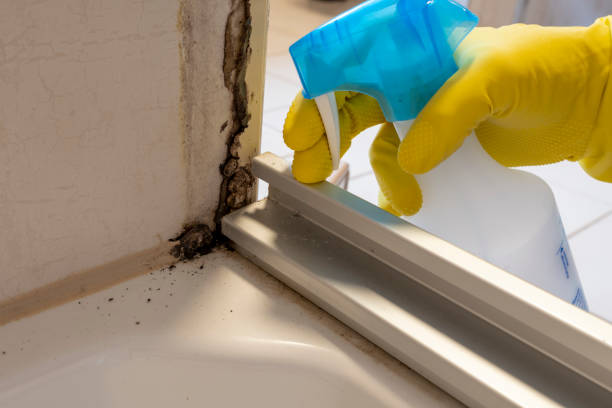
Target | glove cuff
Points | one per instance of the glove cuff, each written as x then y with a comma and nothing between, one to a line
597,161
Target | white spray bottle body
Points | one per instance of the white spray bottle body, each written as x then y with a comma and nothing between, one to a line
507,217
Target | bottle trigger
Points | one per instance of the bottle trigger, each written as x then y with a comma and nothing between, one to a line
328,110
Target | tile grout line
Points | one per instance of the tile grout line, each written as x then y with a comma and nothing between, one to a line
589,224
360,175
277,77
288,78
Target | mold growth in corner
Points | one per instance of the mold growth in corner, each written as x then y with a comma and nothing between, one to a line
195,240
238,182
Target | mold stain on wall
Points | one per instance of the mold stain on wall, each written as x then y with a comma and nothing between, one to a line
238,181
237,184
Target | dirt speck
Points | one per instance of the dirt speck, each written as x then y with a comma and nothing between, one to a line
111,299
201,266
149,300
171,267
137,323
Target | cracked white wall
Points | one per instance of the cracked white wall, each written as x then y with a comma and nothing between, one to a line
92,158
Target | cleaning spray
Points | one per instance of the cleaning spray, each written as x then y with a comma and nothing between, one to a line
401,52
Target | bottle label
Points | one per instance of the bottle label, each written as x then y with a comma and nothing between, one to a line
579,300
562,252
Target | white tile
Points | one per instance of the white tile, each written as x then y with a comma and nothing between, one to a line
275,118
272,141
577,210
591,249
570,176
278,93
365,187
281,66
580,198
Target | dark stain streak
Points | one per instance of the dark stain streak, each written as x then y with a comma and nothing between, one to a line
238,182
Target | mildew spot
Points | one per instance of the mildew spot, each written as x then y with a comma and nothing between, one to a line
195,240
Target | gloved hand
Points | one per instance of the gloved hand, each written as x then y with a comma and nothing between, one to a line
533,95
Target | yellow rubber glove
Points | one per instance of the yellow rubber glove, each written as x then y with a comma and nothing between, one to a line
534,95
304,132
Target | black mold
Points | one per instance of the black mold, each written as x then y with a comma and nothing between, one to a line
238,182
193,241
237,185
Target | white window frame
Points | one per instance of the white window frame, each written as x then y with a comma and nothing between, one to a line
482,334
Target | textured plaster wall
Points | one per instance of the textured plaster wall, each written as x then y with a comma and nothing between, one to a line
97,158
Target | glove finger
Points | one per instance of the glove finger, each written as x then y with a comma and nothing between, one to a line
314,164
386,204
303,125
363,111
448,118
400,189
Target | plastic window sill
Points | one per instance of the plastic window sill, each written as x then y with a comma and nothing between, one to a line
480,333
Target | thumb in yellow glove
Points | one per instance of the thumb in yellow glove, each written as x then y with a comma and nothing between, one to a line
534,95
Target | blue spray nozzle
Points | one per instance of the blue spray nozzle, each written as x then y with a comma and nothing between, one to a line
398,51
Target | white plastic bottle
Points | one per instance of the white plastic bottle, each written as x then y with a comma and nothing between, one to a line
507,217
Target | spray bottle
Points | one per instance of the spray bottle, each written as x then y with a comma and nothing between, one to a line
401,52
